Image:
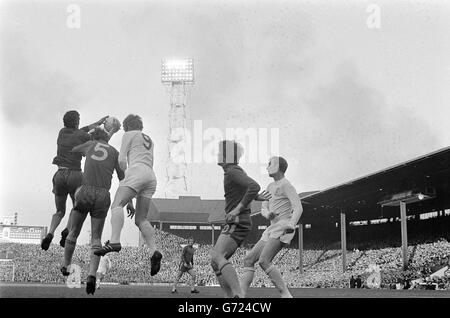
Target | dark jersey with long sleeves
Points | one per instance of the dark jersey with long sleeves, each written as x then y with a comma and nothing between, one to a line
67,139
238,188
101,160
187,256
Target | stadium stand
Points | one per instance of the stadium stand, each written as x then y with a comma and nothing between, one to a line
322,264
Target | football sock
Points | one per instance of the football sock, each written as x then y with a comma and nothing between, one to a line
94,259
277,280
247,279
148,232
68,251
231,278
225,287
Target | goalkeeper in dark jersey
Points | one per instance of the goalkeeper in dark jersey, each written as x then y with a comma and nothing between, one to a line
68,177
187,266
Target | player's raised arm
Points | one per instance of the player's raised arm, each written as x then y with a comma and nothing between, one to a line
242,179
296,203
83,148
93,125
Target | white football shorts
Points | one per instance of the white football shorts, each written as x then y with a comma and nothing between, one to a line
141,178
277,231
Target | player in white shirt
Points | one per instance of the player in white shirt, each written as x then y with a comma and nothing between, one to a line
283,209
104,266
139,182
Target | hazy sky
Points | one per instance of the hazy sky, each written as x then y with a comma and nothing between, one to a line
348,100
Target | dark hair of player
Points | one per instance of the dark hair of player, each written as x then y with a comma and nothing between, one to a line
71,119
132,122
282,164
233,146
99,134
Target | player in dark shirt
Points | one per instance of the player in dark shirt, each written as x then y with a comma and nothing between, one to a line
92,197
68,177
187,266
240,190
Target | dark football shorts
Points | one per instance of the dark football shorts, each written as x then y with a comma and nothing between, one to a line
93,200
184,268
239,231
66,181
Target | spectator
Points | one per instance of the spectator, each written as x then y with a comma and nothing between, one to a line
358,281
352,282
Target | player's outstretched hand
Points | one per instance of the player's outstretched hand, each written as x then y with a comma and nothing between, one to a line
263,196
101,121
131,210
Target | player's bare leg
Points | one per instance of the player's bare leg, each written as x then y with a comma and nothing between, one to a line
225,273
71,240
193,281
96,243
177,279
122,197
249,266
65,232
148,232
141,221
60,203
272,247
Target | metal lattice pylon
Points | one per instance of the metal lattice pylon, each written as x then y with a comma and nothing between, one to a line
176,167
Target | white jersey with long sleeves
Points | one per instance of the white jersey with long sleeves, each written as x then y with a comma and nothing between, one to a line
283,200
137,148
286,206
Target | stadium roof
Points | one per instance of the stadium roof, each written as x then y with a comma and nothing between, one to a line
360,198
190,209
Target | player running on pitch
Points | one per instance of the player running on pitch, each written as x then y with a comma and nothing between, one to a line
92,197
187,266
104,266
240,190
68,176
283,210
140,182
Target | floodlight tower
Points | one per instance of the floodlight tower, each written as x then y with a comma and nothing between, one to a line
178,76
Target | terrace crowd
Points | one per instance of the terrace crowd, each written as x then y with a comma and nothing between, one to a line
322,266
